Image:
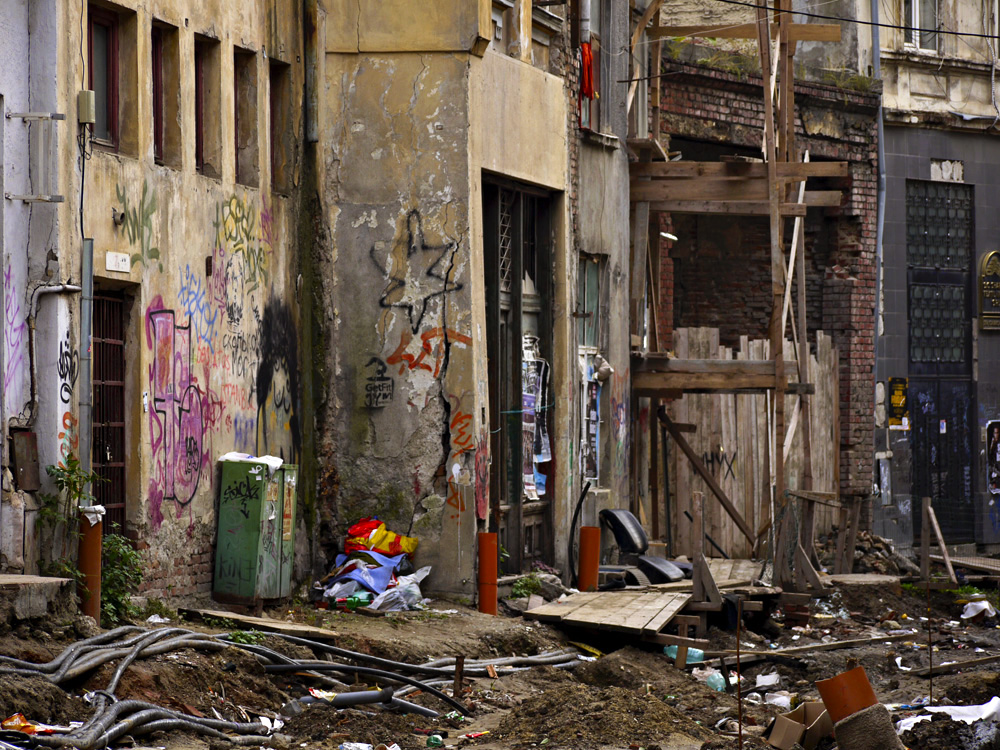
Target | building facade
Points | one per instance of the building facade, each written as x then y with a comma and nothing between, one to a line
186,179
386,243
938,351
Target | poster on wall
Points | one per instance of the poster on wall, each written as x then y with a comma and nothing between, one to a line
592,422
993,458
899,407
989,292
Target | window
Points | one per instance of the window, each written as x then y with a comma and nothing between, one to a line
280,132
207,133
588,301
245,115
939,256
156,49
165,73
590,109
920,19
102,33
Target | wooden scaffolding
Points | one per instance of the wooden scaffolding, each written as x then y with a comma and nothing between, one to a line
774,186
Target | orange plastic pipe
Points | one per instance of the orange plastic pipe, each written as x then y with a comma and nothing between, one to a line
846,693
590,552
488,559
89,590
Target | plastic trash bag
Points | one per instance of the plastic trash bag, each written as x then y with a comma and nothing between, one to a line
405,595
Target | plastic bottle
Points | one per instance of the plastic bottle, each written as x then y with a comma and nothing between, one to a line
716,682
694,656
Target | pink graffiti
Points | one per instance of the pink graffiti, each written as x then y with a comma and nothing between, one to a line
69,438
180,415
14,329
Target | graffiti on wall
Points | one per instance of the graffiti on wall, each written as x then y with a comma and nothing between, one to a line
14,329
379,386
620,426
194,298
176,421
69,438
418,272
138,224
277,382
68,368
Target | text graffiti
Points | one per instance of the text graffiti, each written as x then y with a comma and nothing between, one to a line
195,301
14,329
68,368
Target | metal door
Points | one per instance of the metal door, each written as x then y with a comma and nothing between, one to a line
943,458
939,253
108,455
518,284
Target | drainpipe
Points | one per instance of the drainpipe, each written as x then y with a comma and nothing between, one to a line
36,297
880,220
584,21
90,517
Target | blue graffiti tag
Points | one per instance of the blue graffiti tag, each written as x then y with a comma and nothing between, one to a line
194,299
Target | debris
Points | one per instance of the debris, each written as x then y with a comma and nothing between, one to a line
806,725
779,699
694,655
768,680
978,609
989,711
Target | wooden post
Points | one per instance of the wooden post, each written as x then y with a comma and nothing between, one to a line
698,545
852,535
654,468
925,540
777,271
941,545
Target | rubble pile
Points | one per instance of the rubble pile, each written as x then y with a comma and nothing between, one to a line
872,554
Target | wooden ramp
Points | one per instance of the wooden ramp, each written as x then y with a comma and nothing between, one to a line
638,613
982,564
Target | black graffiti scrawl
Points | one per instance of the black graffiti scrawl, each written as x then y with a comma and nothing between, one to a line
418,272
278,381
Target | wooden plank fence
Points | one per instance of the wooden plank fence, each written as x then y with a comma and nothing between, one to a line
732,440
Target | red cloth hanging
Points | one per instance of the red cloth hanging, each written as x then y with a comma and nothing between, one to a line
586,71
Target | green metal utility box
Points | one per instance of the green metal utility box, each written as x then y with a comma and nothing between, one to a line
255,545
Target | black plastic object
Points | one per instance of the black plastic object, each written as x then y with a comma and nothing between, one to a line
629,536
685,567
659,570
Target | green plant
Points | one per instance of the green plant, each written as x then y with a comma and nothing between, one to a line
220,623
157,607
61,568
526,586
121,574
249,637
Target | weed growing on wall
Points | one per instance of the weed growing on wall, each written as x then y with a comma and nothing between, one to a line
59,517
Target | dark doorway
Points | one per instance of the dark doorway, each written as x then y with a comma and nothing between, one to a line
517,245
939,253
108,453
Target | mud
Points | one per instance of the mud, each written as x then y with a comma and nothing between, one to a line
944,733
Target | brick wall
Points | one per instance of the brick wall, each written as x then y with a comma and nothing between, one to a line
720,266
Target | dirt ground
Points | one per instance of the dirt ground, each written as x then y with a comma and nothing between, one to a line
632,697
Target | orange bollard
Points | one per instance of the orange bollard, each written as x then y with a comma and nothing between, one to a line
488,559
90,565
590,552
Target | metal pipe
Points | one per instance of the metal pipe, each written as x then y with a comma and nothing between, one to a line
36,296
86,323
488,572
584,21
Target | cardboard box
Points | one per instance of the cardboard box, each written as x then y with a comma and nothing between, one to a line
807,724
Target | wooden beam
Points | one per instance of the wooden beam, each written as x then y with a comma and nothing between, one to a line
831,198
707,476
786,170
925,541
640,27
704,189
654,363
640,241
955,666
733,208
797,32
653,382
941,545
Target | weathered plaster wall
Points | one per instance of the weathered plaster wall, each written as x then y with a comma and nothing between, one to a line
400,414
519,129
211,329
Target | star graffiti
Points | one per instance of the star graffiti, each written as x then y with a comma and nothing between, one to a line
417,271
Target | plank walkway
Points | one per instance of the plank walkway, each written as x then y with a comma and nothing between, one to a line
634,612
984,564
640,612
